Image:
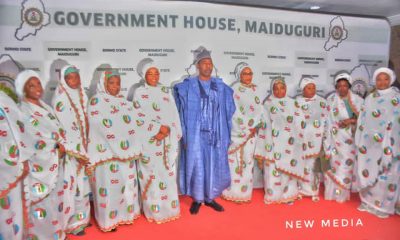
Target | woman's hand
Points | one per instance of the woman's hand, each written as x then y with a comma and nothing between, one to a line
346,122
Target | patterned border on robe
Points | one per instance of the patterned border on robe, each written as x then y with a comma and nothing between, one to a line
285,200
128,222
91,168
267,160
25,172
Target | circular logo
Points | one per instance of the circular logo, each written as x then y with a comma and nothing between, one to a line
162,186
268,147
275,133
60,107
39,213
349,162
113,214
362,150
395,101
33,17
378,137
100,148
250,123
40,145
270,191
174,203
5,202
114,167
9,162
94,101
39,188
124,145
317,123
337,32
107,123
387,151
103,192
130,208
293,162
155,208
376,113
273,109
80,216
155,107
392,187
127,119
365,173
359,87
164,89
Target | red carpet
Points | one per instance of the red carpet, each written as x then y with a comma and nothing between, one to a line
256,220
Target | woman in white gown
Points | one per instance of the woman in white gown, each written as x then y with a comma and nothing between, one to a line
245,122
157,166
343,110
378,143
280,145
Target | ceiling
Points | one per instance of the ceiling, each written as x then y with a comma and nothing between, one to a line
389,9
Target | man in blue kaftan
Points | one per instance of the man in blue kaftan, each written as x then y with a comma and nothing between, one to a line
206,107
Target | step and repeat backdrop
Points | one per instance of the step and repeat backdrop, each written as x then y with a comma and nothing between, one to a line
45,35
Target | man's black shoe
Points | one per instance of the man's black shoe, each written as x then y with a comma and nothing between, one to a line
194,208
214,205
81,233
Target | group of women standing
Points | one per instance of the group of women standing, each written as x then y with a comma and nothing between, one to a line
125,153
352,143
55,156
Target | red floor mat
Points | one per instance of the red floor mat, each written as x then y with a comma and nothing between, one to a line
325,220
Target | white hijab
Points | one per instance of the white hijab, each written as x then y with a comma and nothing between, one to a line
315,112
249,111
21,79
159,105
14,148
377,137
286,122
388,71
114,133
46,131
70,107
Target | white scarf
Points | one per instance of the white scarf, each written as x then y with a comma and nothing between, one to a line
14,148
315,112
288,124
281,140
159,105
70,107
247,116
388,71
340,140
339,111
378,134
43,124
46,132
114,134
